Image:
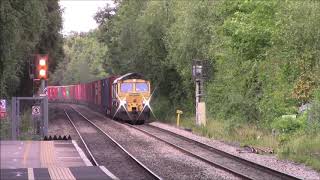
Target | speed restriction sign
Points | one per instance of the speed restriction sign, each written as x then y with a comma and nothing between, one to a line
36,110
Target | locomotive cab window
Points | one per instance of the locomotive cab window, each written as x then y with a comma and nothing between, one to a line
126,87
142,87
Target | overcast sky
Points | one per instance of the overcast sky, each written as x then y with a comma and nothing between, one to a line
78,14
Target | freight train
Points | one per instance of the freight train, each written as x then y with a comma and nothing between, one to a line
124,97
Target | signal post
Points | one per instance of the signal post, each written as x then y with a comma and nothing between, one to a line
200,71
41,70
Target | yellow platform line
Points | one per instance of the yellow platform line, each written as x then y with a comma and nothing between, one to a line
47,155
44,152
42,149
61,173
26,153
51,155
52,173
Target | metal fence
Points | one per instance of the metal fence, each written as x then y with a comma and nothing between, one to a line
29,118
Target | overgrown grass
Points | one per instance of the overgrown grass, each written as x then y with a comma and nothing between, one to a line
233,133
304,149
296,147
27,131
5,129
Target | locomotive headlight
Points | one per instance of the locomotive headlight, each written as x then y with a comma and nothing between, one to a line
146,102
123,102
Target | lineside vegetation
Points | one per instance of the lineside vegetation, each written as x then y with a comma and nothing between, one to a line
265,56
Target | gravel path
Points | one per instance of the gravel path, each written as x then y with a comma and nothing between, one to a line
288,167
166,161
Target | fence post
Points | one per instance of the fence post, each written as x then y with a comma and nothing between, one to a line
45,129
14,119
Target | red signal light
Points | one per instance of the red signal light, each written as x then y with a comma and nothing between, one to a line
42,62
42,66
42,73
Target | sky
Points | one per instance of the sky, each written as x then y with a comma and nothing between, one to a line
78,14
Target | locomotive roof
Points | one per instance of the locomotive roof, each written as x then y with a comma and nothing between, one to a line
129,76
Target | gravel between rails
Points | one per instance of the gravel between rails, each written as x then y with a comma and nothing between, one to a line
106,152
298,170
60,125
165,160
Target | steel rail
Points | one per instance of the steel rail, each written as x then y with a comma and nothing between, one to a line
153,174
217,151
93,160
241,160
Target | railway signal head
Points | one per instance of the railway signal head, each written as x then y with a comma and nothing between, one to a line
42,66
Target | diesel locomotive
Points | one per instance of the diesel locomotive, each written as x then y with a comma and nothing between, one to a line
124,97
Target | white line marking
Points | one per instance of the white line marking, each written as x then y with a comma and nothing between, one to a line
81,153
105,170
30,174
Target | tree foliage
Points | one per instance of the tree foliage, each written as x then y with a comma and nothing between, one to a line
26,28
265,54
84,60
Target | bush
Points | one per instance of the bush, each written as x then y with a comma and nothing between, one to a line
162,109
288,125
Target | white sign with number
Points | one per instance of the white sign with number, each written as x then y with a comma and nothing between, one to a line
36,110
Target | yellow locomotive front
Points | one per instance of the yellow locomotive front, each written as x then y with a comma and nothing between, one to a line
131,98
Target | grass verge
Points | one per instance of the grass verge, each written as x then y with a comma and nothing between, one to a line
303,149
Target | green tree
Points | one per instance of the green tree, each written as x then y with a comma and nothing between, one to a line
84,60
21,26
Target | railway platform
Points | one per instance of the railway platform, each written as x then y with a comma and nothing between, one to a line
47,160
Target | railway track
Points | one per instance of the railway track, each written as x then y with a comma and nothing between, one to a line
100,145
240,167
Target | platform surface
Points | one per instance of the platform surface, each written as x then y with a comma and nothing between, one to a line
41,154
61,173
31,160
